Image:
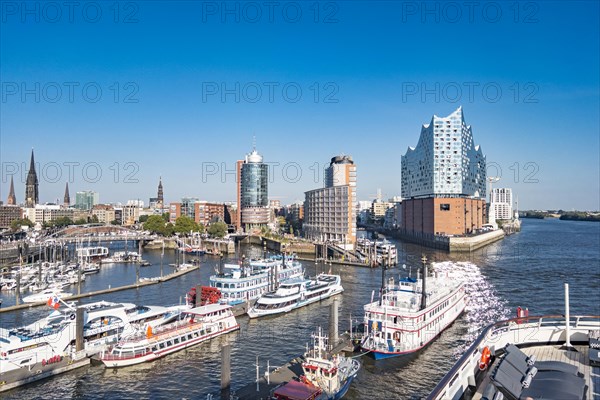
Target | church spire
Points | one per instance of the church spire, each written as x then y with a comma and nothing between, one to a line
67,199
160,196
12,199
31,186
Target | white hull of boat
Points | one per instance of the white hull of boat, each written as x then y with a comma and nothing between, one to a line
255,313
158,354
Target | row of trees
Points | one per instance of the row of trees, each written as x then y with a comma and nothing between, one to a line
57,223
184,225
159,224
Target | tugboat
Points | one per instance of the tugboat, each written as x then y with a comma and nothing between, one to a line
408,316
324,378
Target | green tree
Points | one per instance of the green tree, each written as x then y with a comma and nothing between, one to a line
218,229
184,225
166,217
94,219
80,221
155,224
144,218
62,221
169,229
114,222
18,223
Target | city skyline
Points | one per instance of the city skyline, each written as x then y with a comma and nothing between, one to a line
368,82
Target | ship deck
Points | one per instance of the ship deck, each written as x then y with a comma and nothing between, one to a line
579,358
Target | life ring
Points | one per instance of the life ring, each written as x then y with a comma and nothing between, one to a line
484,361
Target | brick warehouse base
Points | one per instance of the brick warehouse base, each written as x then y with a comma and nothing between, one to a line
443,216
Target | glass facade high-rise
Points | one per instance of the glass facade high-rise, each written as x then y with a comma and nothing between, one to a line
446,162
443,180
254,192
86,200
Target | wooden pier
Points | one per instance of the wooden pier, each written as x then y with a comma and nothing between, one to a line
105,291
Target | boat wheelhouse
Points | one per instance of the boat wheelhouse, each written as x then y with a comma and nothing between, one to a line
412,313
295,293
325,376
195,326
243,283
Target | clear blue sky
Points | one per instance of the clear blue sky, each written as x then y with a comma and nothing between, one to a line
381,68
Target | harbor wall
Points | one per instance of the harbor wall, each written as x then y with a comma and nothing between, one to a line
453,243
298,247
472,243
212,246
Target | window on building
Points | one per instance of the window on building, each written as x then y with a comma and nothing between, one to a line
444,207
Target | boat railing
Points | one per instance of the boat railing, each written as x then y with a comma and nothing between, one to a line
164,333
586,322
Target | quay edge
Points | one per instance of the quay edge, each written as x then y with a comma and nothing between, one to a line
468,244
17,378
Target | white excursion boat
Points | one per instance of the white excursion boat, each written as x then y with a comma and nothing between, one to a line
295,293
123,257
195,326
45,294
28,355
104,322
239,284
90,268
542,357
325,377
411,314
48,346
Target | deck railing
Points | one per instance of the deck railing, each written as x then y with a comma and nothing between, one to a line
582,323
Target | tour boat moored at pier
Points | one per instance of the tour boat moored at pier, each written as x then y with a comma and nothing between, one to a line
196,325
412,313
241,283
296,293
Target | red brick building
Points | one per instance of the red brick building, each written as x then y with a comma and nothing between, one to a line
443,216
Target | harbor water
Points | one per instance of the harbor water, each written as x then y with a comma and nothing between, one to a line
527,269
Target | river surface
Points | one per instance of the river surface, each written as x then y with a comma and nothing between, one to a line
527,269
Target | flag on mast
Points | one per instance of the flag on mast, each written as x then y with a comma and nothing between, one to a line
53,302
